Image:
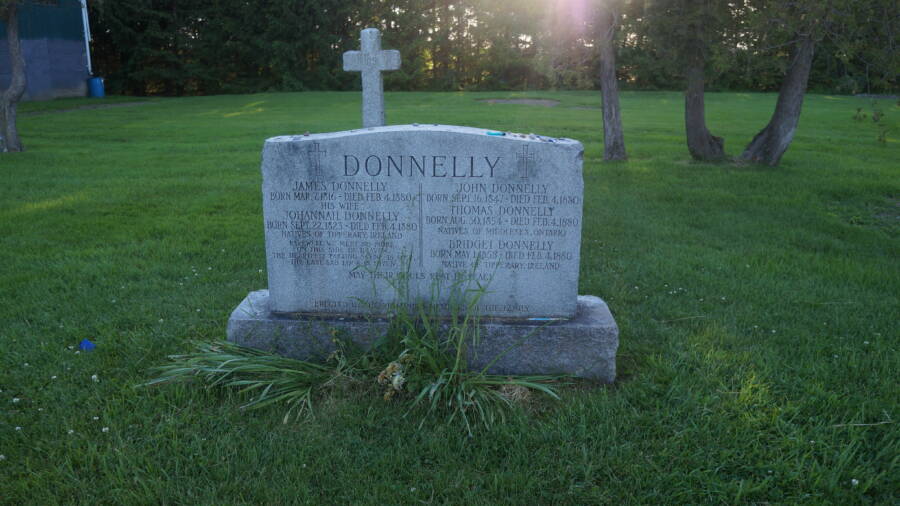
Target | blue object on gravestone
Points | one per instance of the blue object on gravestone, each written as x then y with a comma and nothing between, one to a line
95,87
86,345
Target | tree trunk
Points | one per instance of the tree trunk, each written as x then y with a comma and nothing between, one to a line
9,135
772,141
613,141
702,144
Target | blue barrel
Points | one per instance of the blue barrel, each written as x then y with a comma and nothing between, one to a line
95,87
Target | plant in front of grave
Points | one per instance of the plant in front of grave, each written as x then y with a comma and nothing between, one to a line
270,379
420,359
431,366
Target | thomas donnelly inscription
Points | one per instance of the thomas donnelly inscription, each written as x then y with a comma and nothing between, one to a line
347,214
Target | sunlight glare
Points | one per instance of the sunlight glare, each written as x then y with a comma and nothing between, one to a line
573,10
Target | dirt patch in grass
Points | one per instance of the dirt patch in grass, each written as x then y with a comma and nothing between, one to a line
539,102
86,107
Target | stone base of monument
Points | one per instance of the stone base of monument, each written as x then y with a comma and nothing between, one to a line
583,346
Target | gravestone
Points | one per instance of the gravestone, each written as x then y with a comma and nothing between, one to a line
363,223
350,216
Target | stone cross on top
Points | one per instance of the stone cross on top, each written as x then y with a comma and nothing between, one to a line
371,61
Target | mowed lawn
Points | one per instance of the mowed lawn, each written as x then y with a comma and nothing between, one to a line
758,310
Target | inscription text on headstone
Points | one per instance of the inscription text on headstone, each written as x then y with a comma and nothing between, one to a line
348,214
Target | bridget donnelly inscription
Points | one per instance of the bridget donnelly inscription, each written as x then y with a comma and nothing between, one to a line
349,213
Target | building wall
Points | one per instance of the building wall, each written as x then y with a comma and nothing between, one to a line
52,41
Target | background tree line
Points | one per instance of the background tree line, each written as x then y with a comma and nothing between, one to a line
182,47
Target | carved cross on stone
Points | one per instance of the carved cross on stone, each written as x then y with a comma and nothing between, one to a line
371,61
522,159
315,158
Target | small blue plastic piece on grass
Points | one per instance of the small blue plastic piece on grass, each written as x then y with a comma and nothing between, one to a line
496,133
86,345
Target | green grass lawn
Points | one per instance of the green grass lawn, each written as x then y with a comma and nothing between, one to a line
758,310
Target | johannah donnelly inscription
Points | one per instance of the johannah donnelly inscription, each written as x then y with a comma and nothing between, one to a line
348,214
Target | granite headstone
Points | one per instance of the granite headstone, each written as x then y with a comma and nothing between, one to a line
359,223
356,221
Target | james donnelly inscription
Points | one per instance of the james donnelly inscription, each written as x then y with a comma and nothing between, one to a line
348,213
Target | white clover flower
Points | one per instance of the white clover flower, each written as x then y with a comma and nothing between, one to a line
854,482
105,429
95,378
95,418
70,431
53,377
15,400
18,428
2,457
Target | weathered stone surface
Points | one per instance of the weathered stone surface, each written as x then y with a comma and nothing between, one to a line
371,61
349,214
584,346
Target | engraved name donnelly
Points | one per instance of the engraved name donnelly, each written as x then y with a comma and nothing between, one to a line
420,165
